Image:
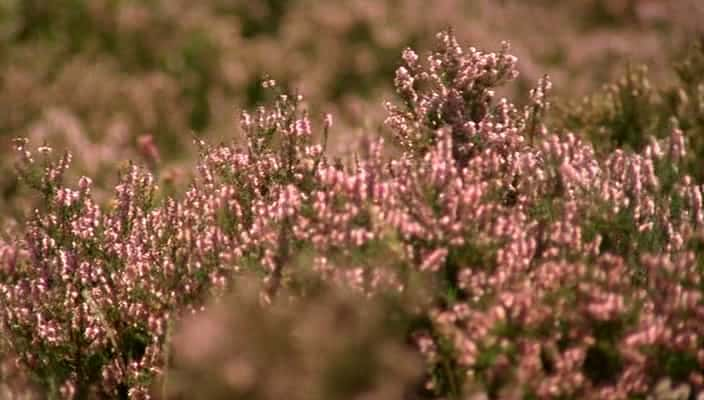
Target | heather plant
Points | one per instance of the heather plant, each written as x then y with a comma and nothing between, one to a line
102,284
603,216
521,260
629,205
80,320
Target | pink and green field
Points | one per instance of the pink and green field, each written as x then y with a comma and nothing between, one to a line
352,200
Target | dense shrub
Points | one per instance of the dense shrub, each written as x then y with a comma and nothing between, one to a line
518,260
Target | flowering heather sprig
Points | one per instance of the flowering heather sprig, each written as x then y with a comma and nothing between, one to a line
259,191
45,175
455,89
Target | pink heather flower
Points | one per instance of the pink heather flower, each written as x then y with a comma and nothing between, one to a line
148,149
328,120
434,261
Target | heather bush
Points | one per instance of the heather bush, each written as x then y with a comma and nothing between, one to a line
519,259
561,227
102,284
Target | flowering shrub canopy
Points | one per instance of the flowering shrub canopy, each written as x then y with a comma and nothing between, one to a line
518,260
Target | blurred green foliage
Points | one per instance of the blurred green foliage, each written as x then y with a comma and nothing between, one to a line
631,111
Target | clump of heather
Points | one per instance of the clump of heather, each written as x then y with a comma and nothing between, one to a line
85,308
91,291
557,263
529,263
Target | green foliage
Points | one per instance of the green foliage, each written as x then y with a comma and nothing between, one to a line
627,113
623,114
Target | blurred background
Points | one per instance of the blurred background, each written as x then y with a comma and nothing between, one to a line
110,79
